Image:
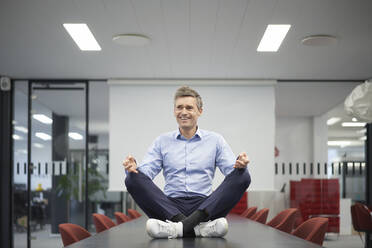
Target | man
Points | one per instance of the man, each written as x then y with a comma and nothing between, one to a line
188,158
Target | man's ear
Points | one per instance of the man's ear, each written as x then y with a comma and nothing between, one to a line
200,111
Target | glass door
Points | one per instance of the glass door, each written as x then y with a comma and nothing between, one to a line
51,178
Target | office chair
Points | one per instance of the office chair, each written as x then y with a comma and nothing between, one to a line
249,212
261,216
133,214
285,220
121,217
102,222
312,230
72,233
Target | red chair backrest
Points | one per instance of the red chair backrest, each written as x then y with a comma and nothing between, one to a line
313,230
72,233
133,213
121,217
361,218
261,216
249,212
102,222
354,218
285,220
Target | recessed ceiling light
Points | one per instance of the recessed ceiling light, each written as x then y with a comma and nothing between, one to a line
17,137
341,143
333,120
273,38
38,145
133,40
82,36
319,40
43,136
42,118
353,124
21,129
75,136
354,119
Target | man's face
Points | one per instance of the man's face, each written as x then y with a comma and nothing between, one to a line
186,112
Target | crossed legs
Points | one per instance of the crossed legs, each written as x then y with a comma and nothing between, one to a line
189,211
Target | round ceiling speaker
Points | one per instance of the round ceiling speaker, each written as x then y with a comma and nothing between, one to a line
132,40
319,40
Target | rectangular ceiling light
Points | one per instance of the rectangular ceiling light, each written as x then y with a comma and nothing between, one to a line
333,120
21,129
82,36
273,38
42,118
75,136
353,124
43,136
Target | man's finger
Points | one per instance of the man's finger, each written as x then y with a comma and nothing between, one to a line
128,166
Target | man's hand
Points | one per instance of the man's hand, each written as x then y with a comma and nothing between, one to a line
242,161
130,164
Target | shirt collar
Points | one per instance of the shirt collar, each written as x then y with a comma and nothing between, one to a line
198,133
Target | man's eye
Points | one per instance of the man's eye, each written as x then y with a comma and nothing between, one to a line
189,108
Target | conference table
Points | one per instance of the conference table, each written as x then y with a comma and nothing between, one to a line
243,232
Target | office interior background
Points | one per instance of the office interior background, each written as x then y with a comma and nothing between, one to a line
70,116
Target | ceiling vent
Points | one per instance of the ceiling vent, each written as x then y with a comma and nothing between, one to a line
319,40
131,40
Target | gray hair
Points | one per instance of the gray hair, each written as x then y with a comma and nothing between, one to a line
187,91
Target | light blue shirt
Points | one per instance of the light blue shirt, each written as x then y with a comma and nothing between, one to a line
188,164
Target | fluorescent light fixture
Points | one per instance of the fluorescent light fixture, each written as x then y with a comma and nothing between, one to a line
38,145
75,136
333,120
273,38
341,143
42,118
17,137
82,36
354,119
21,129
353,124
363,138
43,136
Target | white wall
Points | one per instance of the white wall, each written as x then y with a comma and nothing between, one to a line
294,139
243,114
320,141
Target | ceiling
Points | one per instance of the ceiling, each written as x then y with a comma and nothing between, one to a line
189,39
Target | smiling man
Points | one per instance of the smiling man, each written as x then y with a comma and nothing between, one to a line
188,157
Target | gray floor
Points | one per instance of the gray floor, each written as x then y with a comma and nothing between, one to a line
43,239
344,241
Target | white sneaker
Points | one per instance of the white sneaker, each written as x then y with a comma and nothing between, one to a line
164,229
216,228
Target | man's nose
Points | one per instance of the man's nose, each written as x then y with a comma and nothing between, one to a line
183,111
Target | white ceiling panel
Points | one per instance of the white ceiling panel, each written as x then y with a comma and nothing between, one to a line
210,39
